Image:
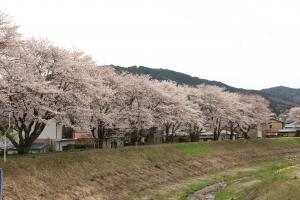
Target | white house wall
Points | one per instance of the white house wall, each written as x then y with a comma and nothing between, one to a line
51,131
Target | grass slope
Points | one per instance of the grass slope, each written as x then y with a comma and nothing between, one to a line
274,180
149,172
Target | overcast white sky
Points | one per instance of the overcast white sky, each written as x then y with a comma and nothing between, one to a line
244,43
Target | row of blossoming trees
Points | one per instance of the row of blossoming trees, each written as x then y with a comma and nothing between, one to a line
40,81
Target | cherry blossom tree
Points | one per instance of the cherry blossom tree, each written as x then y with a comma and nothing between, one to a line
174,110
170,112
8,34
223,110
294,114
136,105
40,82
103,106
234,112
194,119
214,106
255,112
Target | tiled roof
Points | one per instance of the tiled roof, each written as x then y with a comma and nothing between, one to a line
292,125
287,130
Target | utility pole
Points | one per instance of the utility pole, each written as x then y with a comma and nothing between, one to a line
5,142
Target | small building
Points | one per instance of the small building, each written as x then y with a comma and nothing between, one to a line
54,137
275,124
77,135
113,141
84,140
114,138
272,128
57,136
290,130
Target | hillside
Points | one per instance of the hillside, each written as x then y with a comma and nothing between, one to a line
169,171
281,98
285,93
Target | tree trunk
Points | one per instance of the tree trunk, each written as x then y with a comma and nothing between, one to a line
101,134
194,137
134,137
231,134
246,136
231,130
245,133
218,131
172,137
24,149
26,135
193,132
93,130
215,134
167,126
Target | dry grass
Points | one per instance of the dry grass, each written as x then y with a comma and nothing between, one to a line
131,173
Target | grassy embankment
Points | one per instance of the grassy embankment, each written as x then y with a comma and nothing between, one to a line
157,172
278,179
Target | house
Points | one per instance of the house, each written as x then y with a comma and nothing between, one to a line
272,128
290,130
54,137
57,136
77,135
114,138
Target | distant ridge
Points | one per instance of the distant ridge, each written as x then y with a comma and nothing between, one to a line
281,98
285,93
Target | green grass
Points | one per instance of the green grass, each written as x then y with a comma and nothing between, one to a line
286,141
265,183
213,180
195,149
254,180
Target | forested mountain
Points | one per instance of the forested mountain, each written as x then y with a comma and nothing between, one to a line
286,93
281,98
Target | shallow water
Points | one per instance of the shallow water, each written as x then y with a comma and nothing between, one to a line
208,193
